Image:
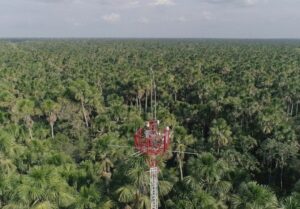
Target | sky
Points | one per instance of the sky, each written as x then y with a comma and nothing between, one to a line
150,18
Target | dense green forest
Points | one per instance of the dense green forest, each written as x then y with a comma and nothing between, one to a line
69,110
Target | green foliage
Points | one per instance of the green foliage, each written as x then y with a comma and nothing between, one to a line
252,195
69,110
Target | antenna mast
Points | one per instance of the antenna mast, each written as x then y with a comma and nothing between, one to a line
151,142
154,187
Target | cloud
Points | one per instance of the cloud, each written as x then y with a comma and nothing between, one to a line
236,2
111,18
54,1
163,2
117,2
250,2
207,15
143,20
100,2
182,19
134,2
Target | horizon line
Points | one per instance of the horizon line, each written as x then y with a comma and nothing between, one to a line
92,37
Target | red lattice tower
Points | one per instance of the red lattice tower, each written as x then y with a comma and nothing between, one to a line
152,142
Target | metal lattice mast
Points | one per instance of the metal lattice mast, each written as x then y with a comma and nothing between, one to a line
154,187
152,142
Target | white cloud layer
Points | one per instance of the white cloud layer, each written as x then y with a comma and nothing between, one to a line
111,18
144,20
235,2
150,18
182,19
163,2
207,15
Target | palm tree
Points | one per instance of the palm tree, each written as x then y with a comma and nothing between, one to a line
24,109
6,143
252,195
51,109
88,198
42,186
192,197
207,169
127,194
7,98
135,190
203,200
220,134
117,109
182,141
44,205
291,202
209,174
7,166
85,94
280,151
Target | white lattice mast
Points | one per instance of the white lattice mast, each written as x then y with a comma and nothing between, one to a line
151,142
154,187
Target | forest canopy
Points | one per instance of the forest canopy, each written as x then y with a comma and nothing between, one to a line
69,110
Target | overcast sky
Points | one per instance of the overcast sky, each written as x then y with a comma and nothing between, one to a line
150,18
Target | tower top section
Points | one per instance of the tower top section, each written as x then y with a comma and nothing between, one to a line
152,141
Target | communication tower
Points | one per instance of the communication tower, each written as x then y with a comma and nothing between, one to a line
152,142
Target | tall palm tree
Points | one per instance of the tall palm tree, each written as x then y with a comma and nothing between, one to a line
51,109
135,191
254,196
279,151
86,95
220,134
181,141
210,174
24,109
7,97
43,185
291,202
88,198
207,168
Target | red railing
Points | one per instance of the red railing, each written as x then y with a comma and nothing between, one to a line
152,142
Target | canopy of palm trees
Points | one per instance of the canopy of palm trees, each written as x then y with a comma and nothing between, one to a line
69,110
